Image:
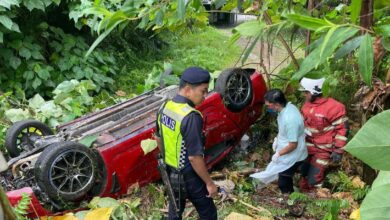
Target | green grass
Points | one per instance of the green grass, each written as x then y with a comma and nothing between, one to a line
207,49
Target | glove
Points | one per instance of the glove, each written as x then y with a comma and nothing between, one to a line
275,144
336,157
275,157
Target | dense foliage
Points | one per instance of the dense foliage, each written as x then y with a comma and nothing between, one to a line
372,146
45,73
339,45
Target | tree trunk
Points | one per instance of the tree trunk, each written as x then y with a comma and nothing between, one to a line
310,6
366,14
366,21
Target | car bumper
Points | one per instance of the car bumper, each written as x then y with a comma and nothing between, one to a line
35,208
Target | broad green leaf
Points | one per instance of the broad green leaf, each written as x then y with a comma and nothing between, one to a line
66,87
36,102
366,59
148,145
15,115
181,9
234,38
250,28
158,20
355,10
6,22
88,140
34,4
1,37
384,30
371,144
312,61
382,179
376,205
118,16
308,22
14,62
8,3
28,75
105,202
249,49
36,82
230,5
327,40
15,27
43,74
348,47
196,4
50,109
386,43
24,52
97,10
101,38
219,3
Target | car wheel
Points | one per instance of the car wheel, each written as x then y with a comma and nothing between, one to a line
66,171
235,87
21,136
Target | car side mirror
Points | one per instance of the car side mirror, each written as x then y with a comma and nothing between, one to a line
3,163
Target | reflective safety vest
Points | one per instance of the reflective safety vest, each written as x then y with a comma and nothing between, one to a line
169,122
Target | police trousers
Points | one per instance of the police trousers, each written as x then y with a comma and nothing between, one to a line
194,189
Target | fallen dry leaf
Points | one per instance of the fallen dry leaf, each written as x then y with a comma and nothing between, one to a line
133,188
323,193
69,216
355,215
255,157
99,214
120,93
227,185
238,216
357,182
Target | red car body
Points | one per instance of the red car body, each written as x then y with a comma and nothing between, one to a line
125,163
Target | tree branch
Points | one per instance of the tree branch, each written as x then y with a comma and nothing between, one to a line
268,21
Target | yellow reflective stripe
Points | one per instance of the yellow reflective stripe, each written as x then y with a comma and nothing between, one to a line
340,121
322,162
340,137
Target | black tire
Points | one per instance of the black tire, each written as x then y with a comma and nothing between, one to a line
235,87
58,174
20,136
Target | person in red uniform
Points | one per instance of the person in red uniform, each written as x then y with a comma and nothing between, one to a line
326,128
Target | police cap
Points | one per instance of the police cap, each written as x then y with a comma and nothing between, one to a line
195,75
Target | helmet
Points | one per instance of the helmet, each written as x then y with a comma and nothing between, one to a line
314,86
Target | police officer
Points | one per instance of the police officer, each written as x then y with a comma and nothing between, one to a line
181,142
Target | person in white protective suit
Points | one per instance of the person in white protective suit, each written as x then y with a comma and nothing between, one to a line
289,145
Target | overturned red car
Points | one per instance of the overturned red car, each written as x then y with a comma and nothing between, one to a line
59,172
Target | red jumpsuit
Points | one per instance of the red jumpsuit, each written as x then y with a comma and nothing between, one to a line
326,127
